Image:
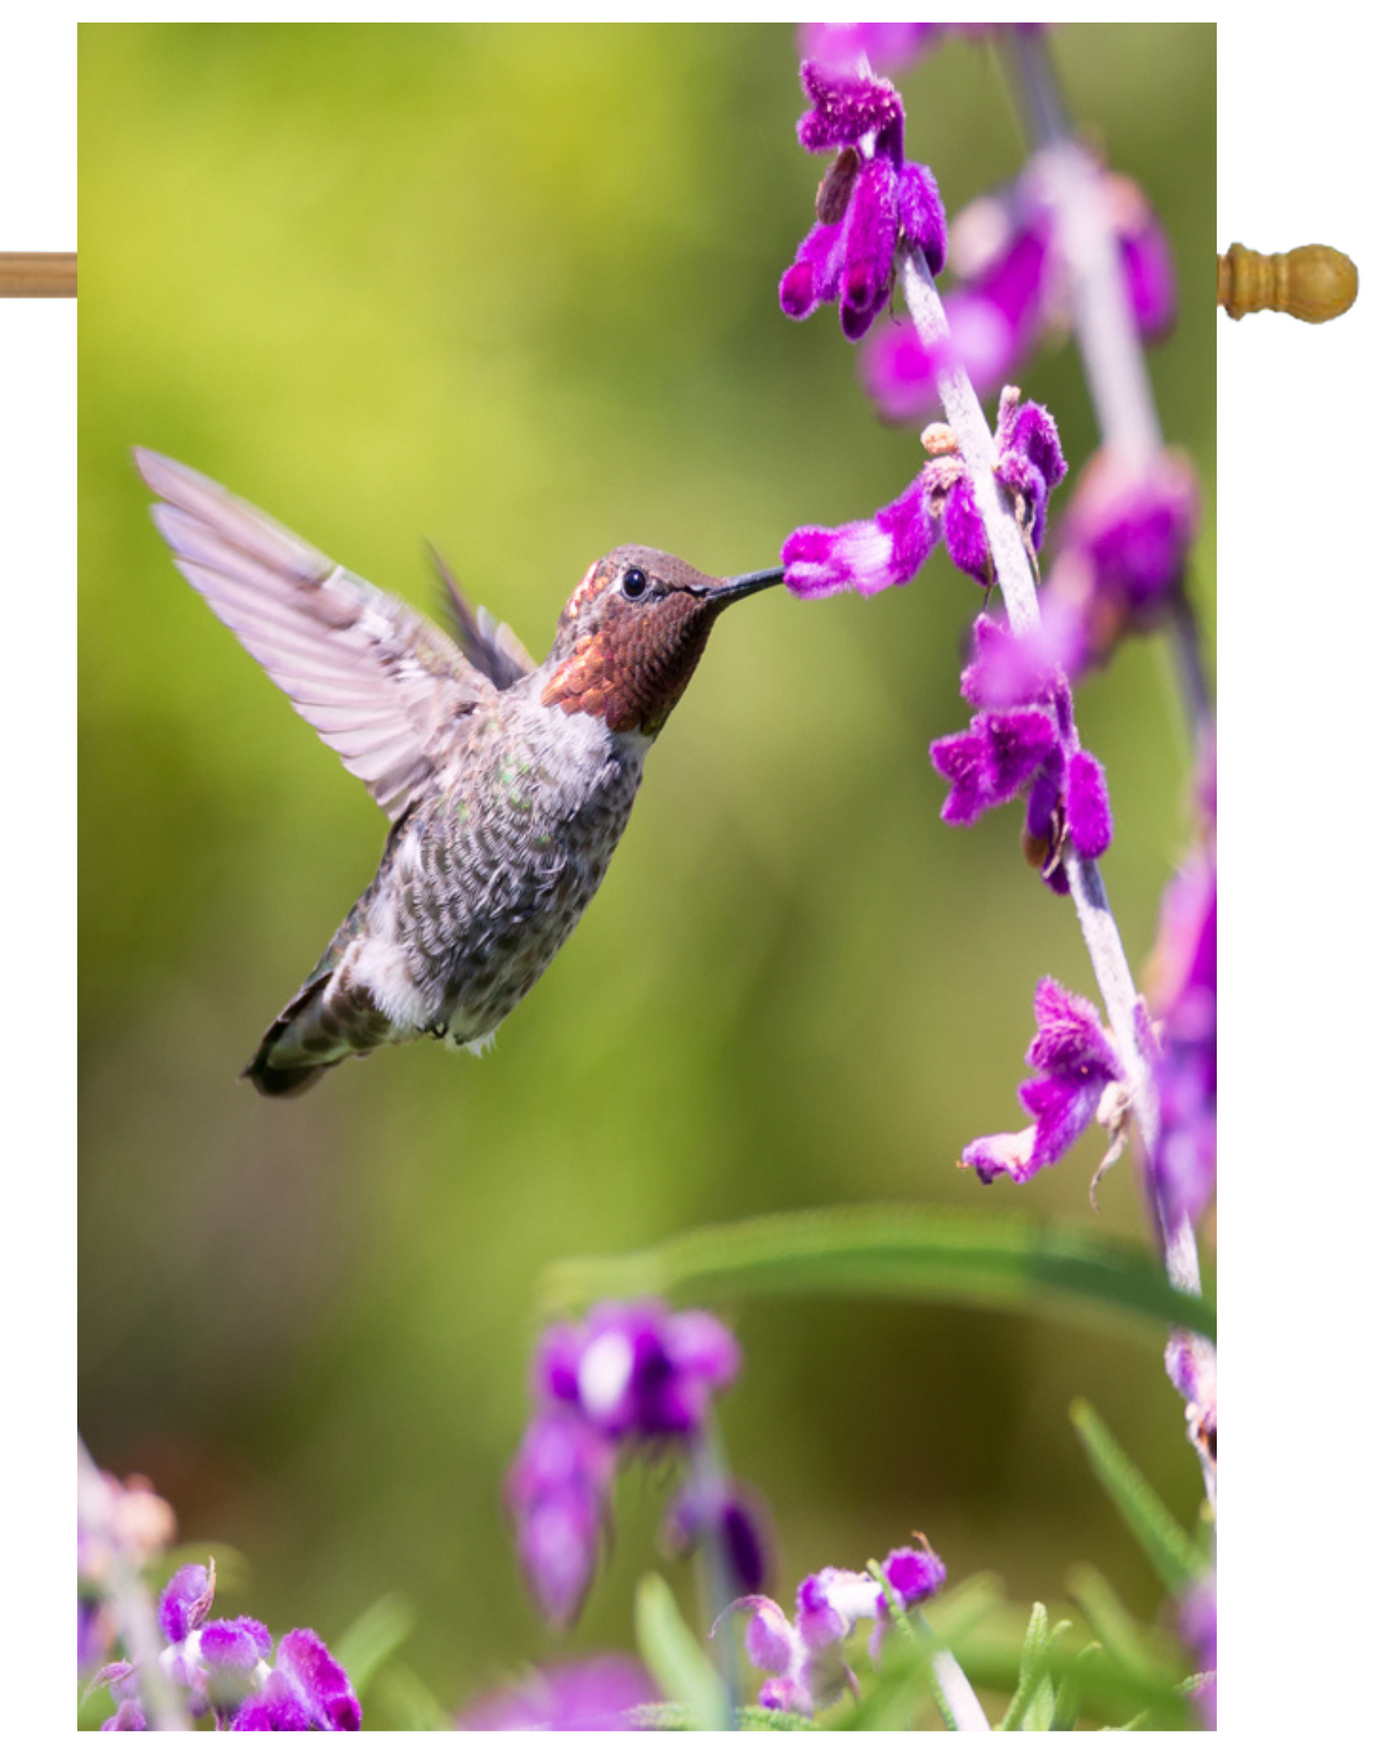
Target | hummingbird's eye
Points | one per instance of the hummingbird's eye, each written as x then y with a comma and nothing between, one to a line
634,584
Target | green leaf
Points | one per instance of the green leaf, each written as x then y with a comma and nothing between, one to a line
675,1658
373,1636
1174,1554
1069,1697
772,1719
1032,1705
906,1254
990,1654
1143,1658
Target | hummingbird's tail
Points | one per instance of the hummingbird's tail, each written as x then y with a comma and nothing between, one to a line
315,1031
296,1050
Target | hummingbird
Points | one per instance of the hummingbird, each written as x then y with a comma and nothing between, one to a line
507,785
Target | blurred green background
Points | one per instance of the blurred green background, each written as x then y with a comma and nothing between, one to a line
513,289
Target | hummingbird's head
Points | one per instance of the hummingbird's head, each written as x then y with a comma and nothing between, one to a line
632,632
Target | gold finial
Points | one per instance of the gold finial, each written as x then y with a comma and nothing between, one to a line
1313,283
38,276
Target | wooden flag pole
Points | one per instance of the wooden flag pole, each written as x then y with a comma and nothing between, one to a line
38,276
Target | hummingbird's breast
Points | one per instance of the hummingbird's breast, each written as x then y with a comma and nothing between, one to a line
492,871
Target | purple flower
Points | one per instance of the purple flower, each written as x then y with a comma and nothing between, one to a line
307,1691
869,201
1122,555
1077,1065
590,1695
1032,747
218,1662
186,1601
889,548
721,1511
1013,289
805,1658
559,1490
628,1377
866,556
222,1665
1029,463
638,1371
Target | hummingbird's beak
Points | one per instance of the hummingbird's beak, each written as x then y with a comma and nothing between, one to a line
732,588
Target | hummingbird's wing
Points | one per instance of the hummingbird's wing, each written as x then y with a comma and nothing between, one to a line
489,643
375,680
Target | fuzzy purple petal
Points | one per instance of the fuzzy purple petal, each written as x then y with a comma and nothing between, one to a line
1018,741
992,760
845,109
186,1601
965,533
921,215
1077,1062
1063,1110
1029,458
770,1639
305,1662
1029,429
274,1709
236,1642
1088,818
812,278
866,556
1028,484
962,760
914,1574
1069,1038
870,232
1005,1154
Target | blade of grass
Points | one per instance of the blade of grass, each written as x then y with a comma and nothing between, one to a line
1177,1559
675,1658
374,1636
907,1254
